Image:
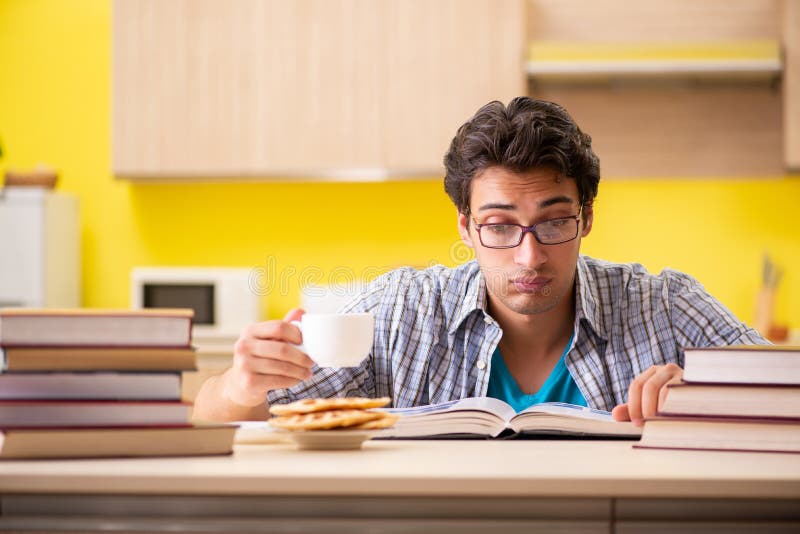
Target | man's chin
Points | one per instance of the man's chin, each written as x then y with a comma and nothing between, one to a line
530,304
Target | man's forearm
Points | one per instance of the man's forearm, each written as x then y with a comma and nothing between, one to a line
211,404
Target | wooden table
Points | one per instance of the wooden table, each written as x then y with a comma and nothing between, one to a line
411,486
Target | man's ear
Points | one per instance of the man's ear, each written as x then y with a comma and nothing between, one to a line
463,229
588,219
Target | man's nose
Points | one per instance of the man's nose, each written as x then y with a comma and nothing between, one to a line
530,253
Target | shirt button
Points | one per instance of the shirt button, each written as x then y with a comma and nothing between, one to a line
488,320
481,365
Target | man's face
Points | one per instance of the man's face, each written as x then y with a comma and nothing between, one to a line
532,278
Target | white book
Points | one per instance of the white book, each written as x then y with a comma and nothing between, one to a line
489,417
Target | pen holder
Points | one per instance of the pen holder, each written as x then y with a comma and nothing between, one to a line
765,310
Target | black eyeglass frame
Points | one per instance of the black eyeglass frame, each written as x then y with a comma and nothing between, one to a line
531,229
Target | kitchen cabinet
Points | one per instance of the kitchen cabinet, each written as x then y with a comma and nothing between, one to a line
791,86
670,89
356,89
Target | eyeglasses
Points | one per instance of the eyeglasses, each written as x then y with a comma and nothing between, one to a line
549,232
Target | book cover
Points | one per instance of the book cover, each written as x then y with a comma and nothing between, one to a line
91,385
90,327
43,413
100,442
492,418
731,400
721,434
97,359
743,364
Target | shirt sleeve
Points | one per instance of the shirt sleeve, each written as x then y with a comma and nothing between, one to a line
700,320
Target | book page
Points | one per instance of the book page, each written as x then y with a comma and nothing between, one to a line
563,418
569,410
475,416
488,405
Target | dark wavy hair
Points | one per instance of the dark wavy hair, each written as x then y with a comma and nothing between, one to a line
520,137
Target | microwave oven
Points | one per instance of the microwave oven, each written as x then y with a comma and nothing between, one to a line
222,298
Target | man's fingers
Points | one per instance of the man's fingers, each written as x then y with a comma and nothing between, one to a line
275,359
651,391
277,350
647,391
275,330
620,412
264,366
635,395
295,314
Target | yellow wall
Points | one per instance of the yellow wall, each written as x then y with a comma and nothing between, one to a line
55,108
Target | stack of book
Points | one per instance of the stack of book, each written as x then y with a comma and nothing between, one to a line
96,383
743,398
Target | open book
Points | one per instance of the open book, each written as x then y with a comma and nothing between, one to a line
489,417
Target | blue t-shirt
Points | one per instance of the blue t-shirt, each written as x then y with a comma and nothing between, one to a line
559,386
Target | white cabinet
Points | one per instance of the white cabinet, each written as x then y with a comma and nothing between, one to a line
39,248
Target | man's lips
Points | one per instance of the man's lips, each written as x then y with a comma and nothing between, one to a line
531,285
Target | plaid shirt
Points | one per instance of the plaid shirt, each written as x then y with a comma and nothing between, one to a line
434,338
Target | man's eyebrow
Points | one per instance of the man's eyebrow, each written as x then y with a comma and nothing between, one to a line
511,207
497,206
556,200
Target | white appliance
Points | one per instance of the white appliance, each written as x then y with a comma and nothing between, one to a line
223,300
39,248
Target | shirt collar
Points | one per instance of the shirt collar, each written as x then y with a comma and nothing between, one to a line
587,299
474,291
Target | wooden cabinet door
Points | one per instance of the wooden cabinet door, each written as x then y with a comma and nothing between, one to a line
446,59
304,87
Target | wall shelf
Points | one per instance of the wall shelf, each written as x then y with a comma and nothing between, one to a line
575,61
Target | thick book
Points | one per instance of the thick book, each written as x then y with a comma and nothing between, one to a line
163,327
99,385
743,364
42,413
97,359
731,400
30,443
489,417
721,434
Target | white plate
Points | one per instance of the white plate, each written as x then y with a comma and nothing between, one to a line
340,440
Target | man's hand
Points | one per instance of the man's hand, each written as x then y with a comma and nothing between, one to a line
646,393
264,359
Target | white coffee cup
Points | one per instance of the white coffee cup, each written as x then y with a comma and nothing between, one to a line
337,339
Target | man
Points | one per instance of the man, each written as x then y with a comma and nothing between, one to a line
529,320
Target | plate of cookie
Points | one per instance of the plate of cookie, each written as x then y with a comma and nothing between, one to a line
332,424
